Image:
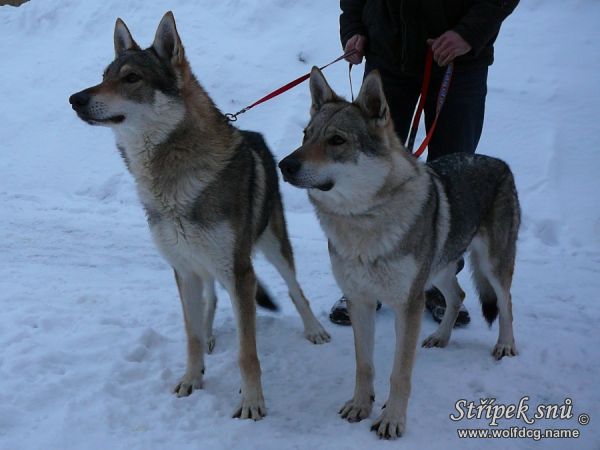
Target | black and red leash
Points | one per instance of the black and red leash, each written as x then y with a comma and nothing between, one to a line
282,89
442,94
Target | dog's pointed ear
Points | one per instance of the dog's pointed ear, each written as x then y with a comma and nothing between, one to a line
371,99
123,39
167,42
320,90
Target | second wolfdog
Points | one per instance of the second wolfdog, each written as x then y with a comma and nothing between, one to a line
209,190
396,226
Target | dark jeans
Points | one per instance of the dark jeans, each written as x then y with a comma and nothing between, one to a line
460,123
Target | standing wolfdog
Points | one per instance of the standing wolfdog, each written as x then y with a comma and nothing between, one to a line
210,193
396,226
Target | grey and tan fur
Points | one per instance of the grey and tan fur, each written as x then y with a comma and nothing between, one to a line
210,192
396,226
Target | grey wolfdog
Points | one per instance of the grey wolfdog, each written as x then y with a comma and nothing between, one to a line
396,226
210,192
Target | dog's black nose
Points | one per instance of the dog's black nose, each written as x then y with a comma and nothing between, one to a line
80,99
289,166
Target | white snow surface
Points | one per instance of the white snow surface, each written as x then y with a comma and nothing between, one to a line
91,329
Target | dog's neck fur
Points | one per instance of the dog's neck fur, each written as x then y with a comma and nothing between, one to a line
376,226
187,134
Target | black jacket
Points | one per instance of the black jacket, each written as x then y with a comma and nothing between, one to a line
397,30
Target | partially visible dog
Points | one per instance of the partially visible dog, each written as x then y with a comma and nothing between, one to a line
396,226
210,193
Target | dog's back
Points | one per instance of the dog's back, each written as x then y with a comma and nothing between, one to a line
472,184
255,142
243,192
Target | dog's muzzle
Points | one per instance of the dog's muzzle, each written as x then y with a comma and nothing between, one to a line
290,169
80,102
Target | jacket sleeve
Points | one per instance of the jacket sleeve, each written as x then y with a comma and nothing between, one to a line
351,19
482,21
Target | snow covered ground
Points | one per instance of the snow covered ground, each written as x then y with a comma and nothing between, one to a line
91,336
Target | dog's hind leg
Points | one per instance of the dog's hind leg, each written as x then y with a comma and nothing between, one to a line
447,283
190,292
391,423
493,275
493,257
362,315
275,245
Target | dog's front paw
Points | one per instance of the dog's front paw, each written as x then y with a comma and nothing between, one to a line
389,425
436,340
356,410
251,409
187,384
504,349
317,334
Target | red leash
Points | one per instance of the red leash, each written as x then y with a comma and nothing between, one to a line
282,89
443,93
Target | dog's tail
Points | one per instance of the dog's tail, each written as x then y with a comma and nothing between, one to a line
263,299
487,295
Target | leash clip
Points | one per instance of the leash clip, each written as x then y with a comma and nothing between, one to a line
234,117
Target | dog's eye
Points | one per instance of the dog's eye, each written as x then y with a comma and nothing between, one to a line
336,139
131,78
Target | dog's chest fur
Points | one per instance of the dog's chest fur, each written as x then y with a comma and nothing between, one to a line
169,181
385,279
374,253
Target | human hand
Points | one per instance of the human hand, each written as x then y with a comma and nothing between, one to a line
448,46
356,42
